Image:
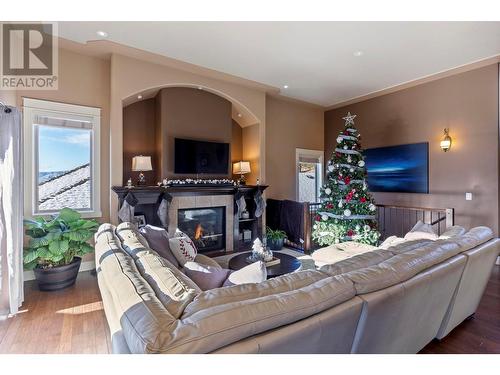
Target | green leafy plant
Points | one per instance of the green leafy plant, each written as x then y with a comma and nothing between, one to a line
275,235
55,241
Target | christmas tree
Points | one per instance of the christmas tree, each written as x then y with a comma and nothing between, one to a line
347,211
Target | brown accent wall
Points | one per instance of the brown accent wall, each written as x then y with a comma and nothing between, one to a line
251,151
236,142
150,127
468,104
290,125
139,138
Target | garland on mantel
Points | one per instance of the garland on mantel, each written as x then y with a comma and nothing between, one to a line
199,181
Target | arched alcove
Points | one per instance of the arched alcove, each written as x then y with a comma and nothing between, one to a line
153,118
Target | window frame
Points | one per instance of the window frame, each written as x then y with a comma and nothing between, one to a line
35,107
318,154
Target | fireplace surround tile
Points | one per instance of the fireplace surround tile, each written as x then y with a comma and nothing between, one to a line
201,201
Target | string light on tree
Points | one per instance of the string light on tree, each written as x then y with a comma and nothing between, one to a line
351,216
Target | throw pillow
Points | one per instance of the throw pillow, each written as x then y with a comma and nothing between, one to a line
206,277
183,249
253,273
158,241
391,241
421,231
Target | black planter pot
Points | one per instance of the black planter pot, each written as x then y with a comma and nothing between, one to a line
57,278
276,244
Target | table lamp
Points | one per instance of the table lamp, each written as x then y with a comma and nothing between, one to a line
241,168
141,164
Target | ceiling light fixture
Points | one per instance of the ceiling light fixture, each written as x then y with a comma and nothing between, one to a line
200,88
102,34
285,86
239,114
358,53
139,97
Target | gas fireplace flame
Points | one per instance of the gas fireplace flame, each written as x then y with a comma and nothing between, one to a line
198,232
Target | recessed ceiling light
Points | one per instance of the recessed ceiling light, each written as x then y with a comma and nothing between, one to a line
200,88
139,97
358,53
239,114
285,86
102,34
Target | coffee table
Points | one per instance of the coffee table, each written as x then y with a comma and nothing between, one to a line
287,264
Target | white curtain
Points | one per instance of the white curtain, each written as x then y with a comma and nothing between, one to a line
11,213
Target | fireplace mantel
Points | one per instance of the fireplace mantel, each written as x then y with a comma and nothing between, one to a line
149,197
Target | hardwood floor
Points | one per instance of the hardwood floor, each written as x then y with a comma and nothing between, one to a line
67,321
73,321
479,335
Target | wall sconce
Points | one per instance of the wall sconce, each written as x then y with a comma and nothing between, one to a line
446,142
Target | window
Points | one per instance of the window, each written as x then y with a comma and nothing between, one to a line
309,164
61,158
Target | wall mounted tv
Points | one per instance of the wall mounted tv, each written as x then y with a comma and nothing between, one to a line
200,157
402,169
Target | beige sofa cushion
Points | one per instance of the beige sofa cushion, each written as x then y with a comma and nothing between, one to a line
359,261
403,266
237,293
209,329
403,247
142,316
174,289
453,231
474,237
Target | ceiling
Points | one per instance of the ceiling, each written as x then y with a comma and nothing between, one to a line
316,60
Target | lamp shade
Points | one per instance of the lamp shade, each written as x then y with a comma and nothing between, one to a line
141,163
241,167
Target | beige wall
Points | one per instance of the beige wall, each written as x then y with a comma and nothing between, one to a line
83,80
289,125
130,76
251,152
468,104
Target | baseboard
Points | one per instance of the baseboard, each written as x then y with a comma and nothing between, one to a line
85,266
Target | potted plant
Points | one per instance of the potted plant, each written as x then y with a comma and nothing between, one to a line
56,246
275,238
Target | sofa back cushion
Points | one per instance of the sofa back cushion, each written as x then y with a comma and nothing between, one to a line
174,289
144,320
421,230
364,260
408,245
474,237
403,266
453,231
237,293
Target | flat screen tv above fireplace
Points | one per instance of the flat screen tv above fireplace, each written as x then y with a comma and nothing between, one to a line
200,157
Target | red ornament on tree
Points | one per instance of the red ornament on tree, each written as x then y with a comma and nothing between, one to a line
347,180
317,218
350,233
362,199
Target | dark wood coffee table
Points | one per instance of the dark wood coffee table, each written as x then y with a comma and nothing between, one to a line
287,264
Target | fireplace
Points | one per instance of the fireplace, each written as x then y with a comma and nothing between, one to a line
205,226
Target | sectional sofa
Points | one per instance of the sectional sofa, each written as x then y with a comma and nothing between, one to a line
393,300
